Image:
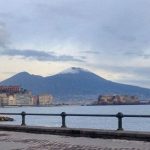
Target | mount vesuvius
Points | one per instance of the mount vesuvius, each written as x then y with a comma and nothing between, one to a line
74,83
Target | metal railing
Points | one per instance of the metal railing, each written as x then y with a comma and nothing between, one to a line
63,115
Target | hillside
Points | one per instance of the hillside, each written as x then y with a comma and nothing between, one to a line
74,83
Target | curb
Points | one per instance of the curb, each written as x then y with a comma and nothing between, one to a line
80,132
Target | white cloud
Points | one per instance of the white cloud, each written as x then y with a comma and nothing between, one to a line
101,32
38,55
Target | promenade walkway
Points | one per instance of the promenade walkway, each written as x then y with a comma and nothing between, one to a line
28,141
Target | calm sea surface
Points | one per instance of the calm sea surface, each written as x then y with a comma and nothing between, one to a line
137,124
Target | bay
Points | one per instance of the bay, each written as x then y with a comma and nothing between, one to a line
135,124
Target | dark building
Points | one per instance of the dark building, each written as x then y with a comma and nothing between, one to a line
10,89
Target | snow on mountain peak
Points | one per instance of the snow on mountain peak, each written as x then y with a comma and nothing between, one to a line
73,70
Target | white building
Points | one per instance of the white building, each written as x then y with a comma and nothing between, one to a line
45,99
12,99
3,99
24,98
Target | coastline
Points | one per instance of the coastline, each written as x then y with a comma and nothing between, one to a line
54,105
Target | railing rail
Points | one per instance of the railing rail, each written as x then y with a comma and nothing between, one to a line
63,115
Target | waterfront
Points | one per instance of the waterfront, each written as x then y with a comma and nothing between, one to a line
29,141
137,124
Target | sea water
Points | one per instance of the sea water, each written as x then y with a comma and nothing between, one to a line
135,124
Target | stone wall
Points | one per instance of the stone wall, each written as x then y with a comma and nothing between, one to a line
117,99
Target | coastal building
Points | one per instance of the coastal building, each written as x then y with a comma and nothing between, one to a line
45,99
12,99
24,98
117,99
35,100
3,99
10,89
15,95
15,99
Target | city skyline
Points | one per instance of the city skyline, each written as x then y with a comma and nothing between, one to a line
107,37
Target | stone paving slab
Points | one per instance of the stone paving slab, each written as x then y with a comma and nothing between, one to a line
28,141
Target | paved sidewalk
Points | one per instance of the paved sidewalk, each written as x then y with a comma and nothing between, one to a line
28,141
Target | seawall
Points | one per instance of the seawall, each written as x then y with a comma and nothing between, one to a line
80,132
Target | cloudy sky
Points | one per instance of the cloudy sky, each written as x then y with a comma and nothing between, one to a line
108,37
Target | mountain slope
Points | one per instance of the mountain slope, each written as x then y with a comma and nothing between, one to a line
74,83
26,81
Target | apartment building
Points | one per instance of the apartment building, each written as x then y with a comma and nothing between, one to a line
3,99
45,99
24,98
10,89
12,99
35,100
15,95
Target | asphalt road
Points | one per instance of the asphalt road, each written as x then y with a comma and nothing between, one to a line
28,141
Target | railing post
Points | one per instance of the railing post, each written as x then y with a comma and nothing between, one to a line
23,114
119,116
63,115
